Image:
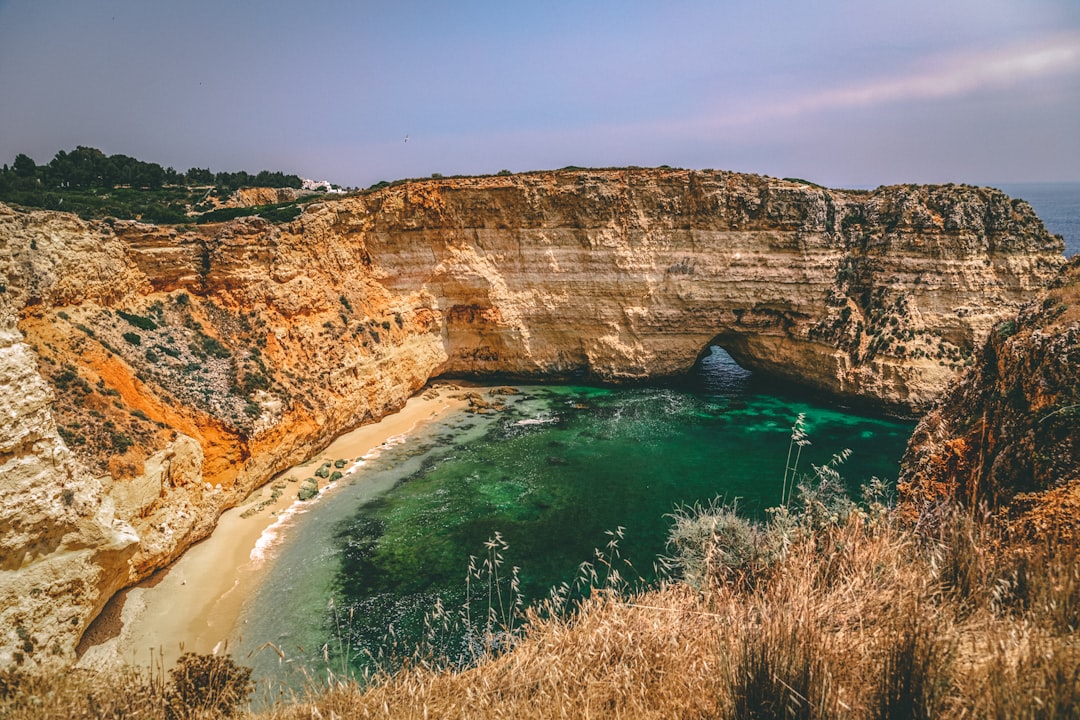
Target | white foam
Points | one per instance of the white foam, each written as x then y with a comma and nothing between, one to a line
535,421
274,533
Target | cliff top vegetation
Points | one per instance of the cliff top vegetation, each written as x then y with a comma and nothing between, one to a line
91,184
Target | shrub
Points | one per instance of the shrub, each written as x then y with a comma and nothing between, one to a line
133,338
143,323
711,542
121,442
213,347
207,684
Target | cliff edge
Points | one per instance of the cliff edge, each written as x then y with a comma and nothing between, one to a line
1006,435
155,375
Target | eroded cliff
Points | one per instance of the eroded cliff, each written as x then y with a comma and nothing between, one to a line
1005,437
186,366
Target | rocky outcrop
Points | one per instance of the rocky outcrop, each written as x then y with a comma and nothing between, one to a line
63,551
250,197
1005,436
628,275
187,366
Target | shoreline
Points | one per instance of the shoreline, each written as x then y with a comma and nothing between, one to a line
194,604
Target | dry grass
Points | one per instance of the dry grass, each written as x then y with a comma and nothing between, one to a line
864,619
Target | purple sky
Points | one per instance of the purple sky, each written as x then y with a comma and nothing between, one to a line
842,92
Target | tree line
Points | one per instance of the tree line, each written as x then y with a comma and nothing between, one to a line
89,168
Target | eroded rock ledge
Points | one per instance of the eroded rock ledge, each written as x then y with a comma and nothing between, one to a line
1005,437
165,372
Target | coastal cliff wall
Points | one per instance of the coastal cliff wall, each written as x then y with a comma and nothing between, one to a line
1005,437
176,369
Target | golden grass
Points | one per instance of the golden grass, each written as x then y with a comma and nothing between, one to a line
864,620
861,621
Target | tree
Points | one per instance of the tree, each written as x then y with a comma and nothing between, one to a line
24,166
199,176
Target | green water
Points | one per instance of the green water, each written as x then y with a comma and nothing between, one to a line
551,473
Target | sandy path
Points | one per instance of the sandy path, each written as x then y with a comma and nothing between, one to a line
194,604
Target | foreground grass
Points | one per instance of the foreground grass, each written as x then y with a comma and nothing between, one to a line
862,619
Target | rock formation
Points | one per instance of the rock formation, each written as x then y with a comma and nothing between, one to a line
1007,433
186,366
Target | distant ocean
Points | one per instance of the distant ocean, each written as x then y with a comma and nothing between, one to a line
1057,204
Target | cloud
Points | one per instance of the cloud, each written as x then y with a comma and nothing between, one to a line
944,77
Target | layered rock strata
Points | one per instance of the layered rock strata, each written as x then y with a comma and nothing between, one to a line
1007,435
186,366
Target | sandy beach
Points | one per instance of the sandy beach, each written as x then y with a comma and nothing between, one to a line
194,604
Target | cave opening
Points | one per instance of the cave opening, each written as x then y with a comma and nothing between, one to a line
717,373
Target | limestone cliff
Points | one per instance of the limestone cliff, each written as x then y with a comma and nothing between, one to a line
1007,433
188,365
63,551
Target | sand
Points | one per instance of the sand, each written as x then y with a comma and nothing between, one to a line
194,604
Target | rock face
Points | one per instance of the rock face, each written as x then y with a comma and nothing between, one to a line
63,551
249,197
1007,433
187,366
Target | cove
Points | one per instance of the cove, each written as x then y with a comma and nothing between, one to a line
552,473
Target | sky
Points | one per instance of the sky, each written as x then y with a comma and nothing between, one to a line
847,93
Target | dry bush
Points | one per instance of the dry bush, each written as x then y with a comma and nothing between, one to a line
78,694
201,686
207,684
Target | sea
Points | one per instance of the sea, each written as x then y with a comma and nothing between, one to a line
564,475
479,513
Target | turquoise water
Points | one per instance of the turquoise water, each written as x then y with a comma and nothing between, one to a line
551,473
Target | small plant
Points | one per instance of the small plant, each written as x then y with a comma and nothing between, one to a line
496,634
798,441
914,681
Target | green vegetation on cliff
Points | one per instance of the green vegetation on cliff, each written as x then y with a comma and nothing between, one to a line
91,184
